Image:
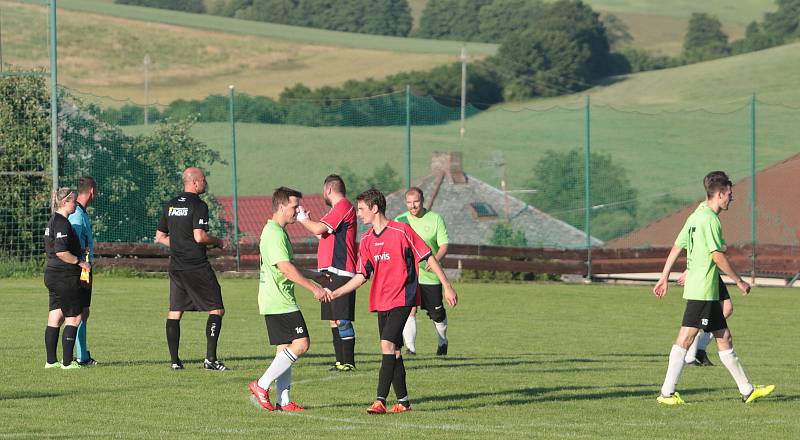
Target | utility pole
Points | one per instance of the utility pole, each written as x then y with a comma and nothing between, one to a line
463,59
146,87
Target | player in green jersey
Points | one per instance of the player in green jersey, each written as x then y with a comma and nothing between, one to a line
286,327
431,228
701,236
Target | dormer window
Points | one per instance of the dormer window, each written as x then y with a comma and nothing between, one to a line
482,211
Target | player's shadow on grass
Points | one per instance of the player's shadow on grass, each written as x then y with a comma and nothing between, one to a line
570,393
20,395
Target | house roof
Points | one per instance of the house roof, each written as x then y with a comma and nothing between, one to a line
462,200
777,220
254,211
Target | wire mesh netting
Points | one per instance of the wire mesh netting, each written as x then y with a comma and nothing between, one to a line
645,168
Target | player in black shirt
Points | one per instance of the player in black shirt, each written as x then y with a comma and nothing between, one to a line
193,285
62,278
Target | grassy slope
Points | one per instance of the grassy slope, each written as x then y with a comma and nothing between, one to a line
551,373
102,52
664,150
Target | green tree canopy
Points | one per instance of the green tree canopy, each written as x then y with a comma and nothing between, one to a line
541,63
559,180
451,19
704,39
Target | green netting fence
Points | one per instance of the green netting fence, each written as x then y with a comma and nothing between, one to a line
614,176
643,166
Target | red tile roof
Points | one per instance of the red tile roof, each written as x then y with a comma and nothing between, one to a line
777,209
254,211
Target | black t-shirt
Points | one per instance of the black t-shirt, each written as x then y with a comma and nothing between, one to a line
59,237
181,216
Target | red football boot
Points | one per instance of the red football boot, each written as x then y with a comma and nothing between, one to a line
291,406
398,408
262,395
377,408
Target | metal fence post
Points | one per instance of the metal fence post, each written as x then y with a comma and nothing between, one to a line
588,187
408,137
753,183
235,180
53,95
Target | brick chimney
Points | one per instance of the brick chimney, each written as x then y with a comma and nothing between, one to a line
449,165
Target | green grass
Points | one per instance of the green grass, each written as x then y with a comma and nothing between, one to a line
740,11
102,54
637,120
527,361
274,31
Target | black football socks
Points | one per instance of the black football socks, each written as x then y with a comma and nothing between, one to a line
68,343
51,343
174,338
213,327
386,376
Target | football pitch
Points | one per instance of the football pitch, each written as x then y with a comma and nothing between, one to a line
543,360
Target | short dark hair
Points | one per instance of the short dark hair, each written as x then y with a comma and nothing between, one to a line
372,197
281,196
715,182
336,183
86,183
418,190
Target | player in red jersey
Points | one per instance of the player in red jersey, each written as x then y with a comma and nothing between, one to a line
390,254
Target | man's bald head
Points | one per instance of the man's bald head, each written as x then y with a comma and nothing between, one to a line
194,180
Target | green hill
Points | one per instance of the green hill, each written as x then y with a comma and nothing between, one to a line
645,122
102,45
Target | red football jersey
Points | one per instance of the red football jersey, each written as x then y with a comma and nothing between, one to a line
337,246
391,259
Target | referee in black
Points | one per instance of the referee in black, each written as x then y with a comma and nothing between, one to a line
61,277
193,285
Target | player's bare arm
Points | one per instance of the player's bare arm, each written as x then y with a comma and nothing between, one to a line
349,287
660,290
67,257
162,238
315,227
294,275
450,294
439,256
721,260
203,237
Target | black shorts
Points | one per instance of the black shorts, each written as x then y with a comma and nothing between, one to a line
723,290
343,307
431,296
705,315
85,292
63,289
286,327
194,290
391,323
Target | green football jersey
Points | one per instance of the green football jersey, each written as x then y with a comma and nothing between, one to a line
431,228
275,291
701,236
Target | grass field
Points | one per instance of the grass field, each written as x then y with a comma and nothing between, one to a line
526,361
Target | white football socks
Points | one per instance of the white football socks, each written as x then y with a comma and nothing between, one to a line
731,361
703,339
410,333
441,331
282,362
282,385
676,363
